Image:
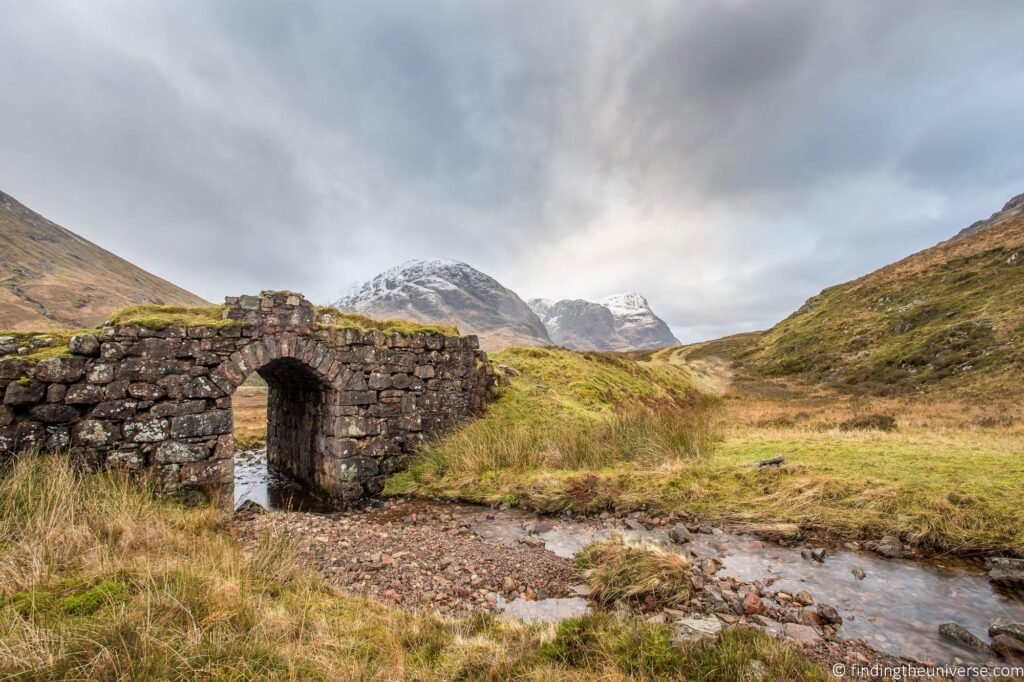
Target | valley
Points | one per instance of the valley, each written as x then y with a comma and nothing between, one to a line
776,496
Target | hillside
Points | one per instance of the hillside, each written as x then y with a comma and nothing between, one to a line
453,293
946,318
50,278
621,322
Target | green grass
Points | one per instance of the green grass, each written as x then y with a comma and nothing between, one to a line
99,580
58,347
945,319
340,320
942,493
574,444
160,317
577,411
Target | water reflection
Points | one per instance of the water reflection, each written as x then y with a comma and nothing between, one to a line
271,489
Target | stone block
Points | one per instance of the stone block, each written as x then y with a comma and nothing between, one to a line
112,350
212,423
60,370
115,409
84,394
144,391
201,387
357,397
355,427
116,390
58,437
24,392
54,413
6,416
55,393
178,408
94,433
100,374
124,458
85,344
146,430
355,468
176,452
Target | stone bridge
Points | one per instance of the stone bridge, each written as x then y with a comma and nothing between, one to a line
345,406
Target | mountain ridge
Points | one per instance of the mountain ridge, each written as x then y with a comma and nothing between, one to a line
452,292
52,278
620,322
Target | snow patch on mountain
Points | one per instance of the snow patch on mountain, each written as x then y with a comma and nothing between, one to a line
450,292
617,322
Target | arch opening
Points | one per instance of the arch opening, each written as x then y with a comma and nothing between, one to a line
296,405
278,415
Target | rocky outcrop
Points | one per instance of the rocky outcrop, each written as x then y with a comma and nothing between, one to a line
345,406
619,322
1014,208
449,292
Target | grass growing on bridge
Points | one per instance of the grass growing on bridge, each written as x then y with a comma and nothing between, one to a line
100,581
160,317
331,317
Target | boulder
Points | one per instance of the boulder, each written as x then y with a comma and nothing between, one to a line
802,634
752,604
1005,570
1004,627
250,507
1010,648
829,614
696,630
679,534
889,547
962,636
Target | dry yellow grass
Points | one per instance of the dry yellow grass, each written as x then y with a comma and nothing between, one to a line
100,581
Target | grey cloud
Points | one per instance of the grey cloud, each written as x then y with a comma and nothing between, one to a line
239,145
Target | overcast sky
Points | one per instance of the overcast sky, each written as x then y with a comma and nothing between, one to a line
727,159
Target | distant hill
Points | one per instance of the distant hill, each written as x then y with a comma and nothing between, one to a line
450,292
51,278
947,318
621,322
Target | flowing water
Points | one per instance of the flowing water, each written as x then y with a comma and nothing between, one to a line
897,607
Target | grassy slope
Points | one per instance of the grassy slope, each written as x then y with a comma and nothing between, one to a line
50,278
940,481
945,319
99,581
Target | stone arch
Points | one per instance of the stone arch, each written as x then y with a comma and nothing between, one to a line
301,393
156,398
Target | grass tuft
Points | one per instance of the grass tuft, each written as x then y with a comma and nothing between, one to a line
635,572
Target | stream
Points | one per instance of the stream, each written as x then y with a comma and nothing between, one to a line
897,607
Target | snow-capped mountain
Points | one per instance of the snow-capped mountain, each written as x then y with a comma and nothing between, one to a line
449,292
619,322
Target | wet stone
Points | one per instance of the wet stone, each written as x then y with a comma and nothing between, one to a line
962,636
